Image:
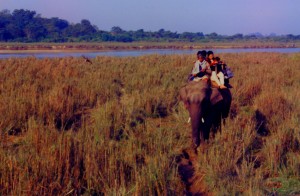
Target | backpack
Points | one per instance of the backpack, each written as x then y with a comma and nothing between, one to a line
228,73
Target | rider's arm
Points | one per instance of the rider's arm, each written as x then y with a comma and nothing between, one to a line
195,68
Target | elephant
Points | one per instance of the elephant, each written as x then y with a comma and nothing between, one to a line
207,107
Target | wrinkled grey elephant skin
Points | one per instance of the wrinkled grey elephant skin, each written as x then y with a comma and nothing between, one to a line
206,106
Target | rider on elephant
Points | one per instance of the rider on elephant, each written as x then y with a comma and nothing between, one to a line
201,68
217,75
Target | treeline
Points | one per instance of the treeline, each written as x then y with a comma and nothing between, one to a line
28,26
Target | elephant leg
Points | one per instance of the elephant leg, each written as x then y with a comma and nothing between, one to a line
206,127
227,99
207,121
216,124
212,120
217,118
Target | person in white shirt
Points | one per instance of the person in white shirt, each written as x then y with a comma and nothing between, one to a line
200,68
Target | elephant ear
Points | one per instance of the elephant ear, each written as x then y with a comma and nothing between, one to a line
215,96
183,94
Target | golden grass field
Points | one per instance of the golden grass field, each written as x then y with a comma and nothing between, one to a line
116,126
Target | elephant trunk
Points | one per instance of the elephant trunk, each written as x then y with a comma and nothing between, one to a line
196,115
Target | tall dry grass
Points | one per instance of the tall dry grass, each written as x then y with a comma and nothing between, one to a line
115,127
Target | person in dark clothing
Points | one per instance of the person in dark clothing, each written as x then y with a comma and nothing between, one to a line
216,75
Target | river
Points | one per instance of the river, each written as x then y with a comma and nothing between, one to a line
124,53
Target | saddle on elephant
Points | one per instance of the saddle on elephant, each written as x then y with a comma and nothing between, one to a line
214,84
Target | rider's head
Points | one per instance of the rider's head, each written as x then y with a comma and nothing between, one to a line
201,55
210,55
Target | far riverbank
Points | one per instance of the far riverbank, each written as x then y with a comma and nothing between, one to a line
107,46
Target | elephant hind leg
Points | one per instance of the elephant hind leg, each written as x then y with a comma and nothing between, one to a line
216,127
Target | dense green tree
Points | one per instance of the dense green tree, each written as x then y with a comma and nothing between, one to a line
188,36
56,24
5,18
212,35
237,36
250,37
139,34
15,31
22,17
28,26
5,35
105,36
116,30
87,27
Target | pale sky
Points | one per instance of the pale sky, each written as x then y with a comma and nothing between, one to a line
225,17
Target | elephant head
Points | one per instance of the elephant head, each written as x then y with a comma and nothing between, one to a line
205,105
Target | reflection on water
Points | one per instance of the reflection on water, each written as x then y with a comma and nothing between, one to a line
124,53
